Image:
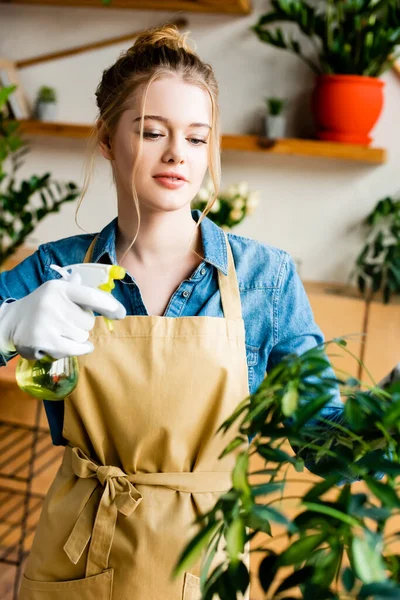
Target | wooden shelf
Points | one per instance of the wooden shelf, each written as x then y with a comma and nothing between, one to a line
241,143
300,147
239,7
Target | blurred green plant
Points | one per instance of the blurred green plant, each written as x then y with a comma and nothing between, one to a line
348,37
377,266
275,106
23,205
361,443
46,94
231,206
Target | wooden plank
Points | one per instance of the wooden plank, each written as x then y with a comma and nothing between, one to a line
71,130
382,343
302,147
340,316
239,7
180,23
240,143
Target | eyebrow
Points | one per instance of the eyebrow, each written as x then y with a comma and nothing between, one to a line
164,120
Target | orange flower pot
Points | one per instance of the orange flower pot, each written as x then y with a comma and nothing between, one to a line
346,107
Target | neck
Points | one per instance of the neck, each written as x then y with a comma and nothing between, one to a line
163,237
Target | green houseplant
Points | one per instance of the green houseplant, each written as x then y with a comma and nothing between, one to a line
275,124
23,204
377,267
46,103
354,42
361,444
231,206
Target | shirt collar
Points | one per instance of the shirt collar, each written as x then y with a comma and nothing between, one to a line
213,238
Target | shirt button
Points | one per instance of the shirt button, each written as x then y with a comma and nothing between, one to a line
185,294
203,272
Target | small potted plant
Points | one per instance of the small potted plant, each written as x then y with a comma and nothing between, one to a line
231,206
275,122
46,104
354,42
377,266
24,202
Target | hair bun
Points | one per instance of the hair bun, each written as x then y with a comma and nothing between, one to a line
164,35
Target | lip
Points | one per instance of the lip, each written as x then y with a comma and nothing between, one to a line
171,185
171,174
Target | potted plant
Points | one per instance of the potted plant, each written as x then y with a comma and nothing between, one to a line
231,206
336,547
354,42
24,204
377,266
275,124
46,103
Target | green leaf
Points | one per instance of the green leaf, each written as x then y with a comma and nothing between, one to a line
5,92
326,563
332,512
295,579
301,549
255,523
267,570
274,454
210,554
195,547
382,590
366,558
320,488
239,475
392,415
386,494
290,399
311,409
266,488
267,513
238,441
348,579
239,576
235,540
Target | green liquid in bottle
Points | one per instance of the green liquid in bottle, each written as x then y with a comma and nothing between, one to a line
46,378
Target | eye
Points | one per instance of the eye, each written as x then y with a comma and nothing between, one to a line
155,136
152,136
197,140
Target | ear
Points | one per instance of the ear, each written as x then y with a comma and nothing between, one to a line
104,141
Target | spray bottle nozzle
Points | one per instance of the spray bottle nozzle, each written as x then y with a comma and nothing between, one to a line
95,275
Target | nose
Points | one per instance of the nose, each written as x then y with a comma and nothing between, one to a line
175,151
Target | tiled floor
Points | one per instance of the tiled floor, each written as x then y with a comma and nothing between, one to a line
7,577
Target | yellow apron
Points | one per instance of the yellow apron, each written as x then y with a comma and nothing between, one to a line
142,456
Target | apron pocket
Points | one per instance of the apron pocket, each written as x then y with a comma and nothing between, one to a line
191,587
97,587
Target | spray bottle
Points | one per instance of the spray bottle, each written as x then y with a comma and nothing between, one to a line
53,379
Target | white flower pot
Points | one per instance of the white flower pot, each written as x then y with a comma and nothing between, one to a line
46,111
275,126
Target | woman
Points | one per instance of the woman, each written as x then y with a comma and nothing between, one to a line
203,326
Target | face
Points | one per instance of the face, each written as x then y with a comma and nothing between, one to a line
174,139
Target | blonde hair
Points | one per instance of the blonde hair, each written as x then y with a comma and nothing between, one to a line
157,52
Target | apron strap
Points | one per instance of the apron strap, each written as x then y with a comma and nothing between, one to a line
228,284
229,287
89,253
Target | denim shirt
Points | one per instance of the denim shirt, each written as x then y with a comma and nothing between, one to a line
277,314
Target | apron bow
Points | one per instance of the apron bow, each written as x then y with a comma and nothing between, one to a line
119,495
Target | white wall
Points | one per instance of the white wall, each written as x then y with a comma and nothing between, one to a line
310,207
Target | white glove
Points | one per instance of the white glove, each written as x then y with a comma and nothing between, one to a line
55,319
